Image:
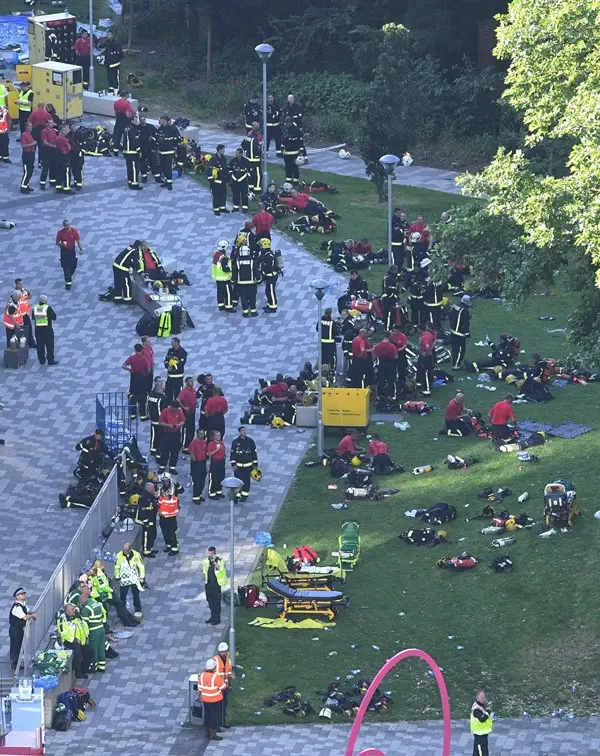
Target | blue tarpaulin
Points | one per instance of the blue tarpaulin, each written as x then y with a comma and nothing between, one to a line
13,31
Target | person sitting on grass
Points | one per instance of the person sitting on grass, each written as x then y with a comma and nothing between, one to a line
363,247
456,417
347,448
499,415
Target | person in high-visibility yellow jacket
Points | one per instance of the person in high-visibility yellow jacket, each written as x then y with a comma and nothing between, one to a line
481,723
74,634
215,577
131,572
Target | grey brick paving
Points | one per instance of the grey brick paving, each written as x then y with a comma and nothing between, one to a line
143,696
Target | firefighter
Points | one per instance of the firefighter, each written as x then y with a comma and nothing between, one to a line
400,227
123,115
63,167
273,125
157,402
24,101
188,402
149,145
128,261
172,421
217,452
82,56
181,154
28,147
174,362
198,465
291,140
246,274
460,326
168,509
113,55
168,137
132,150
47,153
217,177
426,359
432,302
206,389
390,291
243,458
271,268
292,109
76,157
239,174
22,298
92,452
416,288
327,328
221,274
252,112
146,517
387,356
252,145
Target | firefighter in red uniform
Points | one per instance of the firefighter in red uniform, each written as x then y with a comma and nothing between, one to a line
188,401
48,153
63,166
171,421
387,354
217,452
28,146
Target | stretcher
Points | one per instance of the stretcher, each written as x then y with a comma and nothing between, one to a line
307,601
308,576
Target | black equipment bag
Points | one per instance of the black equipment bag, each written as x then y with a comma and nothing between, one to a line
147,325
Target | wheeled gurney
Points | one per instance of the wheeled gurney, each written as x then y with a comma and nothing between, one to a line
307,601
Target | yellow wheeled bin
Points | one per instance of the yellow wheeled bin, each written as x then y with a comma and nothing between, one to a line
346,407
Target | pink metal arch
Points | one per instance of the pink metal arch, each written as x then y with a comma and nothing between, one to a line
390,663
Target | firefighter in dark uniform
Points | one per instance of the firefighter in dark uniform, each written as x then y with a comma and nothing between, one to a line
149,145
292,109
291,141
432,302
327,327
221,274
175,364
244,458
146,517
252,145
270,198
252,112
460,327
416,289
156,403
239,175
390,291
113,55
273,125
400,226
92,452
130,259
76,157
217,172
168,137
132,150
271,270
349,331
246,274
206,389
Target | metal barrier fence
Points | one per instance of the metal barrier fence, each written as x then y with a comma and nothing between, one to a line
113,416
80,550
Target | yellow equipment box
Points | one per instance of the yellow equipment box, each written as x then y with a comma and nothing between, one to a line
52,37
62,85
23,72
346,407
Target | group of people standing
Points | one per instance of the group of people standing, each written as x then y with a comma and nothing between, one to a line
30,326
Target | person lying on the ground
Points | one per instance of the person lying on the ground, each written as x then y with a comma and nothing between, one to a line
363,247
347,447
504,353
456,417
425,537
536,378
301,202
284,410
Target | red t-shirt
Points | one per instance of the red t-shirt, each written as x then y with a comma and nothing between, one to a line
82,47
399,340
62,144
216,404
27,142
70,236
501,413
48,135
362,249
148,353
278,390
359,345
138,363
262,222
346,446
220,455
149,263
386,350
38,117
454,410
187,397
198,450
422,228
122,106
427,342
172,416
378,447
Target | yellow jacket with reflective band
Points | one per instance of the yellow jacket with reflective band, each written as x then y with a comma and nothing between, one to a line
72,629
220,573
217,273
477,727
40,315
24,100
101,589
136,561
3,96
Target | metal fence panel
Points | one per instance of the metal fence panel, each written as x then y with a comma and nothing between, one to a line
79,552
113,416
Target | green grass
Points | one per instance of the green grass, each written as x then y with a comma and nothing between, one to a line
527,636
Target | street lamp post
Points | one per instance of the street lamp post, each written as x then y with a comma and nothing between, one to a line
92,82
319,286
389,163
232,486
264,52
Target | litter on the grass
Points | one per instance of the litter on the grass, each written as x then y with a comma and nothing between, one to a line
332,653
402,425
332,487
375,648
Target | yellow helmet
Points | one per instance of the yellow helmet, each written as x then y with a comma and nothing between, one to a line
442,534
215,172
356,461
134,499
240,239
446,301
152,476
173,362
256,474
265,243
510,379
278,422
511,524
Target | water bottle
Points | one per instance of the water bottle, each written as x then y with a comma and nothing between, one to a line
422,469
499,543
493,529
523,497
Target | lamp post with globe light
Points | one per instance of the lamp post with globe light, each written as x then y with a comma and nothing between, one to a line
389,163
264,52
233,486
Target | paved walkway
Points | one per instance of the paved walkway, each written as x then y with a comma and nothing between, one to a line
143,695
329,162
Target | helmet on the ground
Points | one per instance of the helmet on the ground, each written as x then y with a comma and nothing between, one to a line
256,474
443,534
356,461
222,245
344,154
407,159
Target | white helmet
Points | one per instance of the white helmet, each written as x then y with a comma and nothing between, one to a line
344,154
287,187
222,245
415,237
407,159
222,648
166,476
210,665
244,250
300,160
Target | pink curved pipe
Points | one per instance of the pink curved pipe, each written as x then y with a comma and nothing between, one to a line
390,663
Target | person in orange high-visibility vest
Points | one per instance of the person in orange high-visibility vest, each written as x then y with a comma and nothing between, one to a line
224,669
210,691
168,509
4,129
13,323
23,297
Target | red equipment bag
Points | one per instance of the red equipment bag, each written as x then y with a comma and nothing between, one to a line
251,596
305,554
